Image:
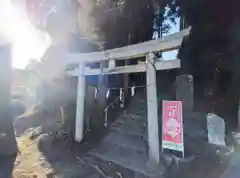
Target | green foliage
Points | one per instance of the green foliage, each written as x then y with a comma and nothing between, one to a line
116,23
213,44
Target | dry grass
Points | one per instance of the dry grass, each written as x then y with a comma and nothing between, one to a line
30,162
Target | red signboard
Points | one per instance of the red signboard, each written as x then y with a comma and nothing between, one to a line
172,126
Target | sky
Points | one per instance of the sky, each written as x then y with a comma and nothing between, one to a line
28,43
174,28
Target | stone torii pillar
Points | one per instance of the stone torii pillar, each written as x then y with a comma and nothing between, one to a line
81,87
152,111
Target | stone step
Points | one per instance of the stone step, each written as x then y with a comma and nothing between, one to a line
127,141
141,112
128,118
138,105
109,168
136,161
141,103
132,127
142,134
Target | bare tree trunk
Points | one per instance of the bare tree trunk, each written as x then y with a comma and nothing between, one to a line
7,136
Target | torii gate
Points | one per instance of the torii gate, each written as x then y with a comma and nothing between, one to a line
152,64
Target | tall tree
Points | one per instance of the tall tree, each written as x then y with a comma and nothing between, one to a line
211,52
117,23
7,137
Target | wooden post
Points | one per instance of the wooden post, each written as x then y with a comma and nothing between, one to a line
152,116
81,87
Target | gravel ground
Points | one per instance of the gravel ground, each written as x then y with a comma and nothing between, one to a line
44,157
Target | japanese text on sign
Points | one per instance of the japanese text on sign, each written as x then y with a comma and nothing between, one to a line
172,131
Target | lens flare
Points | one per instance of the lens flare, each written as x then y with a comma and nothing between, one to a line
28,43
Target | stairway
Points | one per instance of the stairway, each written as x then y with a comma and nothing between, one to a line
125,146
126,143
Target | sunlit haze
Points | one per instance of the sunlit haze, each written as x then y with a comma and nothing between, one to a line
28,43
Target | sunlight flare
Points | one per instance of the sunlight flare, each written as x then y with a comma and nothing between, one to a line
28,42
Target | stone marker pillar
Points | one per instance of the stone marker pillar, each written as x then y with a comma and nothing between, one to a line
216,129
184,91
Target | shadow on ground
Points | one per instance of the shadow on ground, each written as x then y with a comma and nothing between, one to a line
62,159
7,165
75,162
209,166
70,160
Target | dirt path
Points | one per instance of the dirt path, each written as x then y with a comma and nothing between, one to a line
41,156
30,162
54,160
